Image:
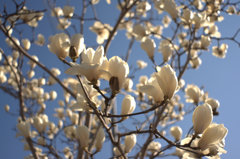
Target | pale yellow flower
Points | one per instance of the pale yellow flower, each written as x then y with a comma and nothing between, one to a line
130,142
202,118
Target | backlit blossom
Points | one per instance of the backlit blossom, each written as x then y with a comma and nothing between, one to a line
202,118
24,128
213,139
102,31
171,8
152,89
59,45
221,51
167,80
100,138
193,94
148,45
128,105
91,66
82,134
130,142
176,132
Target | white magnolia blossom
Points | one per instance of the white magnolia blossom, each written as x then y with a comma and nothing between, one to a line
166,50
213,103
82,134
167,80
213,139
193,94
26,44
141,64
128,105
171,8
221,51
59,45
195,62
148,45
92,66
117,72
24,128
202,118
100,138
139,32
68,11
129,143
40,40
154,146
176,132
102,31
152,89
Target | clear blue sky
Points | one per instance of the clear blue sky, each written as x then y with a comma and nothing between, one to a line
220,78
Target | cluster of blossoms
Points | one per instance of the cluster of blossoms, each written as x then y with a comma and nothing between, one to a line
87,115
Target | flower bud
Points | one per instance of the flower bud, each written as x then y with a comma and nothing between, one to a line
154,146
176,132
148,45
82,134
26,44
100,138
7,108
130,142
128,105
167,80
202,118
53,95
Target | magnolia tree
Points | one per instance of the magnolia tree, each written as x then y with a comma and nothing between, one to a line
100,100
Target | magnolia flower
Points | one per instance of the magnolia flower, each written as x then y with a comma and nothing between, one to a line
24,128
148,45
100,138
59,45
167,80
68,11
40,40
128,105
142,8
152,89
57,11
171,8
129,143
116,73
26,44
176,132
82,134
205,42
7,108
141,64
102,31
186,16
128,84
213,103
212,138
202,118
64,23
221,51
91,66
139,32
166,50
154,146
193,94
166,21
40,122
77,46
195,62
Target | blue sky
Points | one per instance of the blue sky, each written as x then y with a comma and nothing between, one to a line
220,78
